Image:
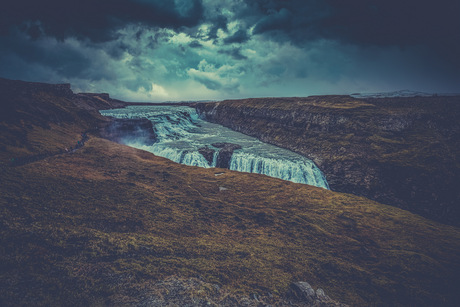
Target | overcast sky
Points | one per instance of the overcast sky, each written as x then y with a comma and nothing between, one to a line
159,50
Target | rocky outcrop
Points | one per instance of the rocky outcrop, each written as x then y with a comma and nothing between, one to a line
31,101
302,292
24,100
176,291
207,153
225,153
123,130
398,151
97,101
28,88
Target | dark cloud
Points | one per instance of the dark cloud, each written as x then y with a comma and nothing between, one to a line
60,58
284,45
217,22
96,20
234,53
393,22
390,22
426,24
209,82
276,20
195,44
238,37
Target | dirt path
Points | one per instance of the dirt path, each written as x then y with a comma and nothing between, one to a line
34,158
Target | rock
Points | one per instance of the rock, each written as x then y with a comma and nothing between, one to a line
207,153
302,291
320,293
99,101
225,153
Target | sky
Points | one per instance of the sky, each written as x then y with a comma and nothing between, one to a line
183,50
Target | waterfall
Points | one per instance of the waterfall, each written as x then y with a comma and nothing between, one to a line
182,134
300,171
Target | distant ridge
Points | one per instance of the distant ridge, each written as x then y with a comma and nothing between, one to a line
401,93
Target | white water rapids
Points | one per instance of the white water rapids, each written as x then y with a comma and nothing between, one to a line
181,133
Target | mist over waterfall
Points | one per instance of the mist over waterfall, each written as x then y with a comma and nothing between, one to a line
185,138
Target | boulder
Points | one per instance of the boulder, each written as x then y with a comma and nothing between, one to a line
207,153
302,291
225,153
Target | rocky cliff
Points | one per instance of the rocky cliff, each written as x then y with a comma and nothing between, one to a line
32,110
398,151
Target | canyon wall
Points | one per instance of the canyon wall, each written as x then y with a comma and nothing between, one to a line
398,151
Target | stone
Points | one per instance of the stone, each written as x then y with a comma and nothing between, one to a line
320,293
225,153
302,291
207,153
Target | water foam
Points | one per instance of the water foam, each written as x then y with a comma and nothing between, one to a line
181,133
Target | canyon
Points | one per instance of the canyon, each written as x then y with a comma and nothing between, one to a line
108,224
401,151
185,138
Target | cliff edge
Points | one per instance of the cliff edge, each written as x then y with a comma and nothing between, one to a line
398,151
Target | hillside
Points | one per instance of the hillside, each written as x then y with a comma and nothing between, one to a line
398,151
112,225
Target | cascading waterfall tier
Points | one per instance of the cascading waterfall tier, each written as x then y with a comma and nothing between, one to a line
185,138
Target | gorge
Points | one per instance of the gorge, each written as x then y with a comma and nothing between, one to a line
401,151
185,138
112,225
397,150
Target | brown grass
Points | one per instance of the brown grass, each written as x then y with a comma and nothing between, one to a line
98,226
110,210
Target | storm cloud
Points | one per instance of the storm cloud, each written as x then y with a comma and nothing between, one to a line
201,49
96,20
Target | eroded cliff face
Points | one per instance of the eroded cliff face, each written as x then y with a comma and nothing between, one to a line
398,151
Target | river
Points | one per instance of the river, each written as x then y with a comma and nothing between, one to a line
182,134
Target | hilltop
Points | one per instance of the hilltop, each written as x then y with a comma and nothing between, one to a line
112,225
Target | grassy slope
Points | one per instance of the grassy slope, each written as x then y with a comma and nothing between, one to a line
109,210
96,226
